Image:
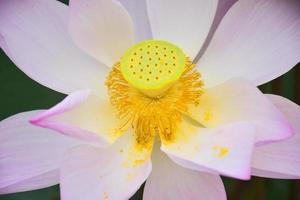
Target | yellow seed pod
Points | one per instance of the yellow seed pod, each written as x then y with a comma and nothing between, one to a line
152,65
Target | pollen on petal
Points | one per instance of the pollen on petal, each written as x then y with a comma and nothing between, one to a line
131,176
137,155
117,132
207,116
220,152
105,196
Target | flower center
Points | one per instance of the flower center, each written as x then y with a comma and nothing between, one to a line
152,88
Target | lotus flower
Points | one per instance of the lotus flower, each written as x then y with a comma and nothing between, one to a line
141,105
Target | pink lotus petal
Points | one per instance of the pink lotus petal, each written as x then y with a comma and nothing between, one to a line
37,182
226,150
29,156
280,159
257,40
170,181
2,43
238,100
223,7
103,28
82,115
184,24
138,12
270,174
103,173
189,164
37,41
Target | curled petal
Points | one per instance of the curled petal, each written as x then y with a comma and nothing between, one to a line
82,115
225,150
238,100
280,159
30,156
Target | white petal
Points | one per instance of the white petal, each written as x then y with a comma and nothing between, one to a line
258,40
2,42
82,115
183,23
280,159
238,100
110,173
223,7
102,28
225,150
170,181
37,41
37,182
29,156
138,12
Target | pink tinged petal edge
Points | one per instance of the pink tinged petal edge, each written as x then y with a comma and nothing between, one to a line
204,146
35,37
38,182
184,24
239,100
170,181
30,156
81,115
103,28
2,43
280,159
189,164
138,12
257,40
102,173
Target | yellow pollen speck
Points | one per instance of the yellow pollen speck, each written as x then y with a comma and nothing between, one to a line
156,113
138,154
116,133
105,196
130,176
207,116
197,148
221,151
139,162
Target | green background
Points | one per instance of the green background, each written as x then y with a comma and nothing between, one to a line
19,93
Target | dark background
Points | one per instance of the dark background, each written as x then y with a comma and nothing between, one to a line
19,93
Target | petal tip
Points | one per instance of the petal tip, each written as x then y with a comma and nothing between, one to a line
246,176
38,119
35,120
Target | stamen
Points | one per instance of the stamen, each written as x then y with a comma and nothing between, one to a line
150,115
